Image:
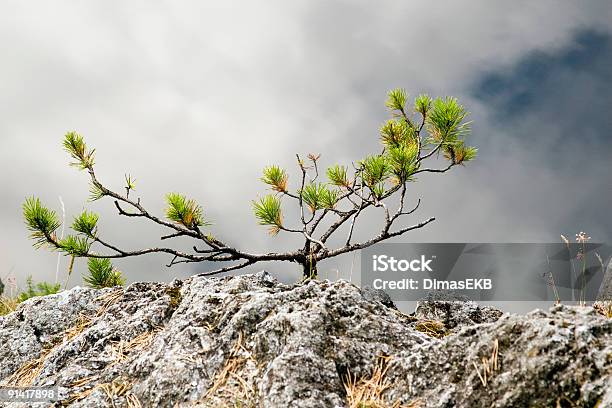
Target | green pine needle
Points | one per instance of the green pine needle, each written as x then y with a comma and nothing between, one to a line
395,132
375,170
446,120
422,104
276,177
396,99
86,223
402,161
102,274
268,211
130,183
41,221
318,196
460,153
75,145
329,198
184,211
378,190
75,245
40,289
338,175
95,192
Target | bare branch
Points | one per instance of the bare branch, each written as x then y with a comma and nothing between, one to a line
176,234
444,170
227,269
378,238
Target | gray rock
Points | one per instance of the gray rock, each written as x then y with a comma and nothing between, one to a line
560,358
454,311
251,341
377,295
605,289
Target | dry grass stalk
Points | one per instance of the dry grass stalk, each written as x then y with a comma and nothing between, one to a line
368,392
83,322
489,365
82,382
116,388
121,349
232,364
132,401
7,305
26,374
230,388
432,328
604,308
108,299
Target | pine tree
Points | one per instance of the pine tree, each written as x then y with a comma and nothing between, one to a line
414,135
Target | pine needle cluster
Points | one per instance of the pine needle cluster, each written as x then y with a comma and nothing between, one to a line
268,212
102,274
184,211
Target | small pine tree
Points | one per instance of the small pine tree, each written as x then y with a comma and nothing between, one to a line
102,274
1,287
414,135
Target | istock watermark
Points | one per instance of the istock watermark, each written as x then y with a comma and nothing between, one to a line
382,263
487,271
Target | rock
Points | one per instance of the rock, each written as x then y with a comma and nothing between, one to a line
40,322
605,289
560,358
454,311
377,295
251,341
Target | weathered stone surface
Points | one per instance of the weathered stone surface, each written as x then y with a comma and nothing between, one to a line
605,289
252,341
454,310
545,359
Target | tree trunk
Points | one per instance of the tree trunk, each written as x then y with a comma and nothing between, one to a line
310,268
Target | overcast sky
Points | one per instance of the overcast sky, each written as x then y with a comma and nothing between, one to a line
197,97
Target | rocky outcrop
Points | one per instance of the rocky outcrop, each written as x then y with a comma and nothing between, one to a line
251,341
605,289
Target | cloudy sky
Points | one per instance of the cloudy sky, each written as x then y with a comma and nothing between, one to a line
197,97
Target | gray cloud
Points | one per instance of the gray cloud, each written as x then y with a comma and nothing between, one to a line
198,97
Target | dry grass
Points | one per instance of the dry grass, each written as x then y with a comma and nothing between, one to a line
230,388
83,322
7,305
368,392
27,373
489,365
432,328
122,349
117,388
604,308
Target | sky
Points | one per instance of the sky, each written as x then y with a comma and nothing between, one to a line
197,97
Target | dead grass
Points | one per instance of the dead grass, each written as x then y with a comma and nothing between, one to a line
7,305
604,308
122,349
432,328
117,388
489,365
27,373
368,392
230,387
